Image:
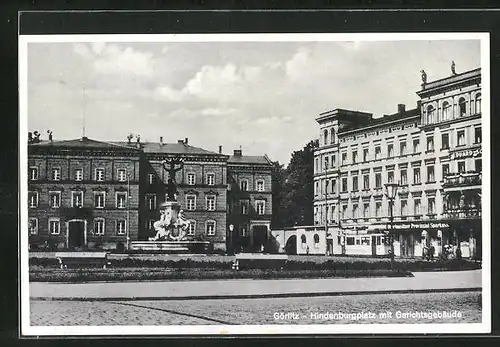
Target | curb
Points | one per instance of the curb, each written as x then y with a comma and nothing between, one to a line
261,296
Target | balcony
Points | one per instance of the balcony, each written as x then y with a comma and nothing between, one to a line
462,213
464,179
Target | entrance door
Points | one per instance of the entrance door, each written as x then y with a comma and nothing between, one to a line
76,234
374,245
259,237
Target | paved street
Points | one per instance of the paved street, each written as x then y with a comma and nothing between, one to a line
229,288
257,311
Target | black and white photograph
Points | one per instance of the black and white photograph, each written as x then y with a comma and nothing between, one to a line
201,184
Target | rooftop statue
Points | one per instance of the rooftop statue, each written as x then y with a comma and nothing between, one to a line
424,76
453,72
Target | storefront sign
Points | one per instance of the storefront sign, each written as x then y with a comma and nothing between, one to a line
409,226
466,153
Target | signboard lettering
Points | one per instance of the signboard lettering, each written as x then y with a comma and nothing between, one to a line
466,153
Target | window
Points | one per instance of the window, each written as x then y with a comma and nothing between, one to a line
33,199
121,200
416,175
78,174
344,184
121,227
99,175
54,226
344,211
446,169
478,103
365,240
350,241
430,114
192,227
303,239
431,206
99,226
55,199
355,183
325,137
244,185
430,143
390,150
151,178
260,207
402,148
191,179
190,202
332,135
477,135
366,210
416,145
151,224
355,211
33,226
354,157
210,179
365,154
333,159
378,180
404,207
461,166
416,206
344,158
99,199
478,165
317,165
317,188
243,230
122,175
33,173
333,186
445,141
390,176
430,174
378,152
446,111
210,227
327,161
244,206
404,177
56,174
76,199
378,208
462,106
210,202
366,182
151,202
316,239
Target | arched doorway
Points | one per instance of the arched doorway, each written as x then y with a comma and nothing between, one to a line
291,245
76,233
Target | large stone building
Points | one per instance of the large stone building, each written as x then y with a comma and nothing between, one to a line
432,151
91,194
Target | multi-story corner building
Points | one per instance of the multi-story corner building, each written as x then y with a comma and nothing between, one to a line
250,200
82,193
433,152
90,194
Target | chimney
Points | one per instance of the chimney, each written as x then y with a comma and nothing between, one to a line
237,153
180,142
186,141
401,108
50,135
161,140
220,149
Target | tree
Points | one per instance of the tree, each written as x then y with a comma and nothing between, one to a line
293,190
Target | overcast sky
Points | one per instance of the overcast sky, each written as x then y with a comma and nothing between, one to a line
263,96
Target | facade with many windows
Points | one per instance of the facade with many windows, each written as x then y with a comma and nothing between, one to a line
90,194
433,153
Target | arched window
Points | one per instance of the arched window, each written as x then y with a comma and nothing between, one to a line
316,238
446,111
430,114
332,135
303,238
325,134
478,103
462,107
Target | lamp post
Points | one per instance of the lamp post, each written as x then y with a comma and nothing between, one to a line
231,246
391,189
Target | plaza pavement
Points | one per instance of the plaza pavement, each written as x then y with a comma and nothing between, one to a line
248,288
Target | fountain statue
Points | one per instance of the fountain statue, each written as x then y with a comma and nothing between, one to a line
172,225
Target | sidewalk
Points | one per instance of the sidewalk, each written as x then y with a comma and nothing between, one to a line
182,290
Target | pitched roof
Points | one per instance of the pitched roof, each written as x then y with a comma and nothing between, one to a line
171,148
248,159
81,143
381,120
